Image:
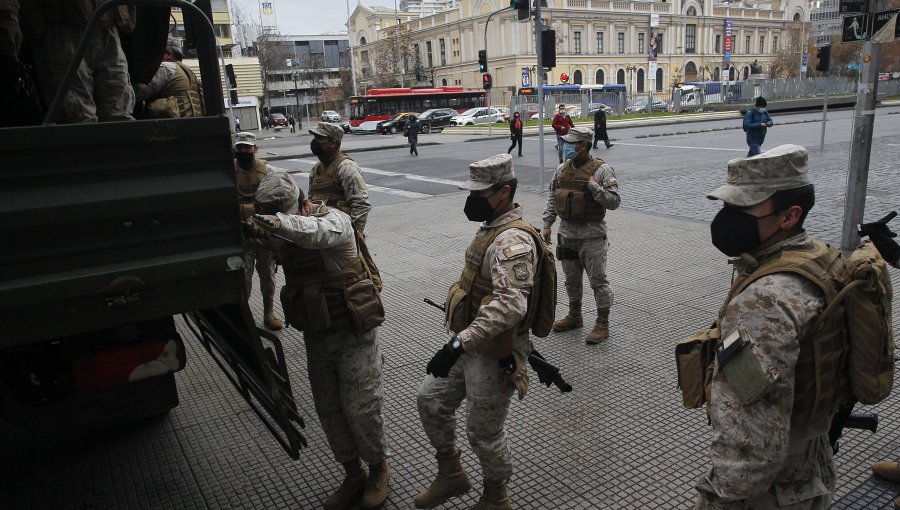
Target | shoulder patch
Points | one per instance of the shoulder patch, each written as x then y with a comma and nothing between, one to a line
515,250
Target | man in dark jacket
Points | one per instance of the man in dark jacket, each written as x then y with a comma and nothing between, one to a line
600,128
756,122
412,135
515,133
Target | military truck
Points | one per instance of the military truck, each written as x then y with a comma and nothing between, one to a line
113,232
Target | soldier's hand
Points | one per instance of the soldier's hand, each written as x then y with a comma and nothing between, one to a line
269,222
547,233
256,230
882,238
592,180
444,359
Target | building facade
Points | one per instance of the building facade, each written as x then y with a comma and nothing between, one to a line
597,42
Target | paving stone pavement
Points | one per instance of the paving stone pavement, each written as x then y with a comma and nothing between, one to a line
621,440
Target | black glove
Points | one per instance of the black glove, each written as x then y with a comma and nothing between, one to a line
882,238
444,359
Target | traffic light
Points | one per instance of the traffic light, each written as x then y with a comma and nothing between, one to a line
548,48
823,54
523,7
487,81
482,61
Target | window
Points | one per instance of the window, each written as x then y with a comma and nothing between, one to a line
621,42
762,44
444,82
747,44
577,78
718,44
690,38
362,41
417,54
620,77
659,43
659,79
774,43
222,30
716,74
641,43
599,42
428,53
576,43
600,78
691,11
640,80
443,45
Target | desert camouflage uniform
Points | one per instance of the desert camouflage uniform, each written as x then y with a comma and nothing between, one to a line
587,238
354,189
477,378
255,255
758,459
345,369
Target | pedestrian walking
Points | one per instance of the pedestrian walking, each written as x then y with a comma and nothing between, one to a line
265,122
515,133
756,122
778,381
412,135
249,171
582,190
562,123
498,279
318,251
291,123
237,124
600,128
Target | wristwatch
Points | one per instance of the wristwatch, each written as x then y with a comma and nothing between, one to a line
456,344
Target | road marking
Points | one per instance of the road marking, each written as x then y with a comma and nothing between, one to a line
680,147
401,192
387,173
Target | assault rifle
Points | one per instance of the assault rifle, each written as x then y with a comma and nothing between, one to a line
547,373
882,238
847,419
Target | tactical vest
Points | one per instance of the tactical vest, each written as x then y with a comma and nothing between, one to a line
186,90
821,382
319,301
472,291
325,184
572,197
247,183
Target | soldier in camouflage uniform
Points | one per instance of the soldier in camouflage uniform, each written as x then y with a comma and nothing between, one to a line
770,445
336,179
329,296
582,190
249,172
486,308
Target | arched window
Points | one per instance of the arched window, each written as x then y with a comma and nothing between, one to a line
576,77
716,74
691,11
620,77
600,78
690,72
659,79
444,82
362,41
796,17
746,72
640,80
731,74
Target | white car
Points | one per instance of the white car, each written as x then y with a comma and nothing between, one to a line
474,116
366,127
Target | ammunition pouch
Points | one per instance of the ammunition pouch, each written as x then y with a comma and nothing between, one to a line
364,305
694,359
563,253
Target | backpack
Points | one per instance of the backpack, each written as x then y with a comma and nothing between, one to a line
543,313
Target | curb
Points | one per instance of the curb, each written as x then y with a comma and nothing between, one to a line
279,157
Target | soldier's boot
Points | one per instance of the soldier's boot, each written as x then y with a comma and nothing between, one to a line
350,490
376,487
451,481
571,321
601,328
494,496
269,319
889,471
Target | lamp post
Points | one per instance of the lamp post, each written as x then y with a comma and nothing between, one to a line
297,97
631,70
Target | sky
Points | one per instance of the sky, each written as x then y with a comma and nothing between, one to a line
309,17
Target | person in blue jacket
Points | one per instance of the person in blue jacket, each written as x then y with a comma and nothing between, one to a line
756,122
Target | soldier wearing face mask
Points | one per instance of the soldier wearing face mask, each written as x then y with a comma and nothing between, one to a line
582,190
336,179
776,381
249,172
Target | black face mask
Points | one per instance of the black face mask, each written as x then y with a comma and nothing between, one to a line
735,232
478,208
316,147
244,159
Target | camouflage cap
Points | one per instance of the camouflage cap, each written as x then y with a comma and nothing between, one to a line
244,138
328,130
278,188
753,180
487,172
579,135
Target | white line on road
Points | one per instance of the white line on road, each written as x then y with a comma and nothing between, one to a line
401,192
680,147
388,173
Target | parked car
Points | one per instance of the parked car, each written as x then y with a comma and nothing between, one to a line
504,113
474,116
640,105
435,119
395,125
345,126
278,120
330,116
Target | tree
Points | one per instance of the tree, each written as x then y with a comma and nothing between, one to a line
393,55
786,63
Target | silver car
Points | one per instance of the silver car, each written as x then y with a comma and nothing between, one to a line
330,116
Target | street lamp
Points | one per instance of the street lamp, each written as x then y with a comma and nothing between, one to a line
297,97
630,70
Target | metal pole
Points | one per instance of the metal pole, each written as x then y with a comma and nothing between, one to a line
399,57
490,118
297,98
350,44
538,29
824,119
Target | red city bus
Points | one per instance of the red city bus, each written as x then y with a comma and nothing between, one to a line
384,104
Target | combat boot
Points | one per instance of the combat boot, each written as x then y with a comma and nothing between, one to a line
451,481
601,328
889,471
571,321
350,490
494,496
269,319
376,487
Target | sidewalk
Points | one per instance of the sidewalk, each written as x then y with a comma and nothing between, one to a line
620,440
